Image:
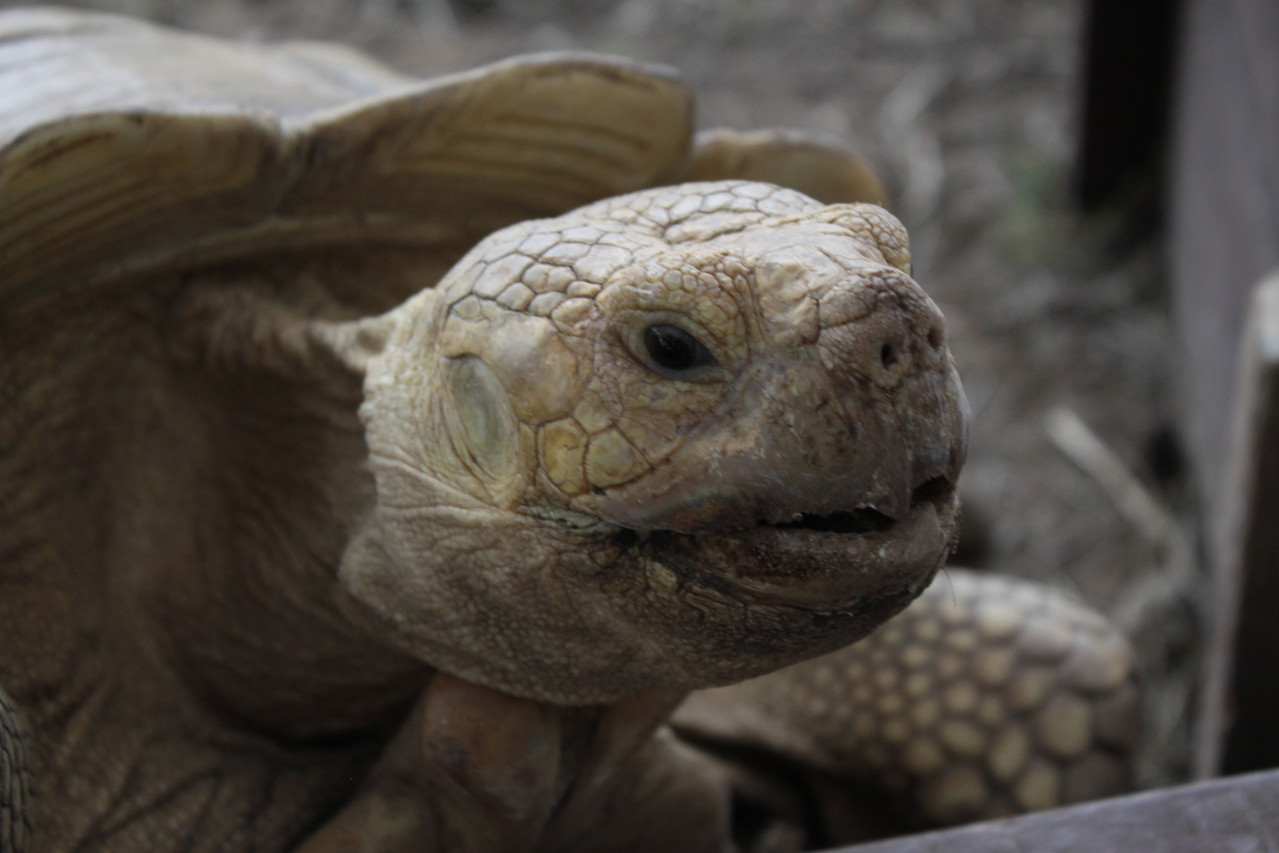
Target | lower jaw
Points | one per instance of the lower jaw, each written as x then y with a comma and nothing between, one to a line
818,572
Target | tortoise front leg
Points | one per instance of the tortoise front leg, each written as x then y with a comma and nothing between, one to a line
474,770
988,696
15,778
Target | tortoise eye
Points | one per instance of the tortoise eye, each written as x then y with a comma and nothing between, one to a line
675,350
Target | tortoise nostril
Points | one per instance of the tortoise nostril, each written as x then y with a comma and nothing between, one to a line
887,355
934,337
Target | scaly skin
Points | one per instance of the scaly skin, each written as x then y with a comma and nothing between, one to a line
574,531
658,494
987,697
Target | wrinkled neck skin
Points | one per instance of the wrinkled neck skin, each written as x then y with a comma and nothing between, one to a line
461,571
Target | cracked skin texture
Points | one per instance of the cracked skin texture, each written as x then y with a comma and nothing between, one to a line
303,552
658,494
675,545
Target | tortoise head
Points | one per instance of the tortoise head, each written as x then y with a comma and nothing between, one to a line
670,440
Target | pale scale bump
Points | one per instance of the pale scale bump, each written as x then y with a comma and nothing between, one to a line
916,656
584,289
1100,666
753,191
1063,726
716,202
536,243
1045,639
685,207
467,309
1009,752
516,297
591,413
1029,687
562,450
564,254
659,216
678,280
535,277
612,460
600,262
570,313
666,201
662,577
582,234
639,250
500,273
462,283
544,303
1039,787
500,245
781,203
928,630
997,619
962,737
625,212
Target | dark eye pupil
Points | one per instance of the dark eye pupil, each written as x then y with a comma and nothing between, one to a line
673,348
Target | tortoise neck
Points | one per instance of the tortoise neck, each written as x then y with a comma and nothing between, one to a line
265,482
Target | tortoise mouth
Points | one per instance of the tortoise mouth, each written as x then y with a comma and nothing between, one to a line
866,519
824,562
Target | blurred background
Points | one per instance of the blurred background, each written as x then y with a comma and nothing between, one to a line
971,111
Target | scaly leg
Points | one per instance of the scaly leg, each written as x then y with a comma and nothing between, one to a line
986,697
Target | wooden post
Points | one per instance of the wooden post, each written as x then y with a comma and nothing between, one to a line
1239,722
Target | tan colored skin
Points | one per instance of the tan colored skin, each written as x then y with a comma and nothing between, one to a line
830,391
473,547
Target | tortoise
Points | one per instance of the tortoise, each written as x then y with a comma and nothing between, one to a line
478,464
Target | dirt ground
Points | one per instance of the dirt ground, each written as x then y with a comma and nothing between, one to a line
967,110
